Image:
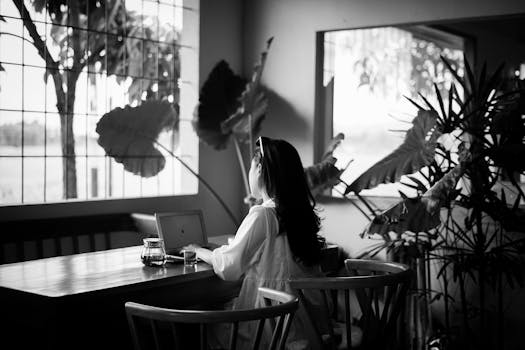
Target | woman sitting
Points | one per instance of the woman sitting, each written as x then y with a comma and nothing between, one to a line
276,241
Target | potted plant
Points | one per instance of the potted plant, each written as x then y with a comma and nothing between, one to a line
465,218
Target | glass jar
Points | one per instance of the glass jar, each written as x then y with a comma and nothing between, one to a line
153,252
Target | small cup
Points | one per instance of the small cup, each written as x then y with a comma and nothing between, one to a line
190,257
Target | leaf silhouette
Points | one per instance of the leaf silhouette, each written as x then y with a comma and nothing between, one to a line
416,151
217,101
129,134
410,214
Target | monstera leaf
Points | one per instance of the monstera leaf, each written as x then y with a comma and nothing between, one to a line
217,101
408,215
325,174
253,103
129,134
418,214
416,151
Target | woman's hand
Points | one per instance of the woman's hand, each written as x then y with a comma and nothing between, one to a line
202,253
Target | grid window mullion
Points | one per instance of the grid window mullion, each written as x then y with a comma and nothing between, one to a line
22,87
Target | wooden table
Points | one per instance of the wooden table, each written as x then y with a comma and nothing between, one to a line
77,301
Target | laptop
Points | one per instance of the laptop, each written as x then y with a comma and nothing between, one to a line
179,229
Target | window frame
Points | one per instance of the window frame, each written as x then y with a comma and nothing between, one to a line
189,55
323,121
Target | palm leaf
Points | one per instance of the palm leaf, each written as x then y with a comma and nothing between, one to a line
129,134
416,151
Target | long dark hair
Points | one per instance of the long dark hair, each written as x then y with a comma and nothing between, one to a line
285,182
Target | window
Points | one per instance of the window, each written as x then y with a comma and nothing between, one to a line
366,74
89,57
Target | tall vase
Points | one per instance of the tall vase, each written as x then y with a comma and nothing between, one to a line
417,319
419,314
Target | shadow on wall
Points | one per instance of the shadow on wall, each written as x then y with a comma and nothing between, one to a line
342,224
286,122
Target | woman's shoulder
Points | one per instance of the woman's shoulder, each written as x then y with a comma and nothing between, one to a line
267,206
263,212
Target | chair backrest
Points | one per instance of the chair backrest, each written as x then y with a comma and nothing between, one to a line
278,305
380,288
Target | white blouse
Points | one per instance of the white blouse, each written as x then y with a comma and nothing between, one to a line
232,260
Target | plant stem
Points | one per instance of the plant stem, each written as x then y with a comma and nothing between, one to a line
464,304
205,183
241,165
445,279
500,301
250,120
366,204
355,205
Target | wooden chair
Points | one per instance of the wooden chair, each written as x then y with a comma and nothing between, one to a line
380,288
157,317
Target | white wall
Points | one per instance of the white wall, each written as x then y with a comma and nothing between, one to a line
221,38
290,69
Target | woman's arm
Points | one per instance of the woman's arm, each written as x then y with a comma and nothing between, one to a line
231,261
204,254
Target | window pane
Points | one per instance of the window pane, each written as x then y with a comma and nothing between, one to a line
11,44
93,148
34,134
134,57
11,180
33,180
53,143
34,89
152,186
79,130
51,96
81,93
116,179
116,94
54,187
9,9
131,185
167,23
11,98
96,177
97,94
31,55
185,146
10,133
150,62
150,20
82,177
97,16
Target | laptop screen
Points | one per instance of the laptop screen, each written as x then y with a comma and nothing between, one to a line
181,228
